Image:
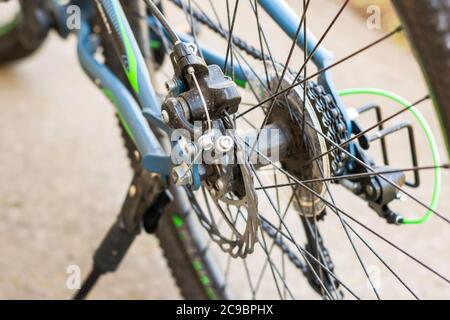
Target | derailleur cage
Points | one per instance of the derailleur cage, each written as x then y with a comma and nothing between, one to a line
375,190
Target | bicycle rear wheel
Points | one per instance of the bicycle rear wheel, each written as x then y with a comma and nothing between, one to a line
290,246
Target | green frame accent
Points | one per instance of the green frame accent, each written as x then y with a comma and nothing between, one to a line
132,73
108,93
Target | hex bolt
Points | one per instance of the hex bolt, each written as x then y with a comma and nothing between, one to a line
224,144
132,191
165,116
401,196
182,175
206,141
172,85
219,185
370,190
186,146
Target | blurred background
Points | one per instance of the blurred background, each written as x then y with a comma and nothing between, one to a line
64,172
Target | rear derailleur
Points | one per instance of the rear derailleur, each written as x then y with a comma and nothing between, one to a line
381,185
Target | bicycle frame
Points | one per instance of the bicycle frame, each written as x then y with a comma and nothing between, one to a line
135,119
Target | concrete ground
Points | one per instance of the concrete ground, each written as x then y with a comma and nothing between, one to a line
64,172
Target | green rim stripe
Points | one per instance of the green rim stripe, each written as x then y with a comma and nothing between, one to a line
430,137
132,73
211,294
177,221
196,264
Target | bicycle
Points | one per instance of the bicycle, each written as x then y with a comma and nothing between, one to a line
210,193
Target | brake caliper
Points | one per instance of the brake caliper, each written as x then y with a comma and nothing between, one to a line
184,105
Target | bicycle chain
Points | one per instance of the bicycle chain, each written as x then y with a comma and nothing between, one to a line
325,258
332,121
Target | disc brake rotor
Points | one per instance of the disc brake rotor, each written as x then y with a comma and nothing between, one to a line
243,222
230,186
233,191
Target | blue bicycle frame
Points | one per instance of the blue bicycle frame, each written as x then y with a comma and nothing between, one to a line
135,113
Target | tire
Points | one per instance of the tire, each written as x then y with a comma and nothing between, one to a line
185,254
428,26
428,35
23,36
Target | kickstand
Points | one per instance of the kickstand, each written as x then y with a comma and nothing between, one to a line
145,200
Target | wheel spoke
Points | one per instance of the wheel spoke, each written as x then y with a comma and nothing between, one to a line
356,176
353,219
283,73
345,225
381,176
272,97
190,20
261,46
313,258
261,274
303,252
230,35
355,250
377,125
296,244
272,266
250,283
319,42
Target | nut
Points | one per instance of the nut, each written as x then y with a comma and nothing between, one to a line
182,175
172,85
206,141
219,185
401,196
224,144
370,190
165,116
186,147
